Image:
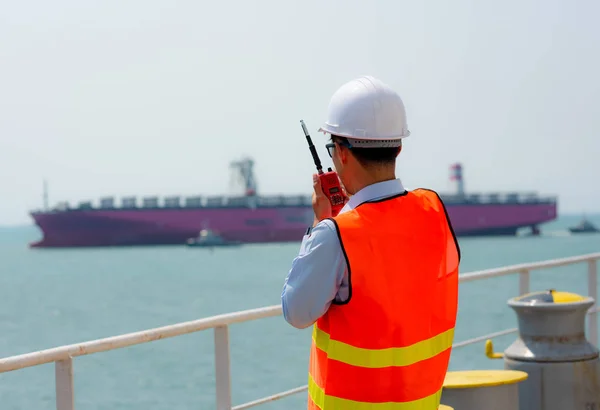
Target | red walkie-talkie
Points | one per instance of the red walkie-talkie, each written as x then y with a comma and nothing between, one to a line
330,181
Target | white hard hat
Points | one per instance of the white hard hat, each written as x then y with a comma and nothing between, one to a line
368,112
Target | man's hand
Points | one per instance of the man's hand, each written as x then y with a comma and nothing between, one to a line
320,202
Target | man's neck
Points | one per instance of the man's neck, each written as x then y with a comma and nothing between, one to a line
373,176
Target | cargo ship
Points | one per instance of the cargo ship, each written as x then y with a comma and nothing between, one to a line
252,218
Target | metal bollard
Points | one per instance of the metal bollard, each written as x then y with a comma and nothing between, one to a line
563,367
483,389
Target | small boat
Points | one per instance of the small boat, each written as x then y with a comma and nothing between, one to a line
534,231
584,226
208,238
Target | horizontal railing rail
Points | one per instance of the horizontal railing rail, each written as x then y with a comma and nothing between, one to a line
63,356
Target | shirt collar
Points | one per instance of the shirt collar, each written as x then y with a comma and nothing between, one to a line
374,192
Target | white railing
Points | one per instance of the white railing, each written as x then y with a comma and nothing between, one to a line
63,356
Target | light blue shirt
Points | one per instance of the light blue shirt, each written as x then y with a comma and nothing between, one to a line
319,273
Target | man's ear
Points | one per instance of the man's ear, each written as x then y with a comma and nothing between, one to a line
344,153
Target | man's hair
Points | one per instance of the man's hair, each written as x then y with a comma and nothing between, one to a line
369,156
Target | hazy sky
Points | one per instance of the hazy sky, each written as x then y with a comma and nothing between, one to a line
156,97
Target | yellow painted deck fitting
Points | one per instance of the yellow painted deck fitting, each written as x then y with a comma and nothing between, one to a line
489,350
550,296
470,379
483,389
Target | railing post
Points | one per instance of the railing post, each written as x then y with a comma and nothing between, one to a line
523,282
593,292
65,397
222,368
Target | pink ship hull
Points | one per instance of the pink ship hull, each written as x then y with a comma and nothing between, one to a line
163,226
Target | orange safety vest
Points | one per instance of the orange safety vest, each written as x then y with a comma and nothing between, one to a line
389,345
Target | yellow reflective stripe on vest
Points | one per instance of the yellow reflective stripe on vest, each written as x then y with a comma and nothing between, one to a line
377,358
325,402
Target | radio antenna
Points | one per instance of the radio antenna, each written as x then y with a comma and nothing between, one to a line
312,148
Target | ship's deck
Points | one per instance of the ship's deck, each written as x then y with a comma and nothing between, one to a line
281,201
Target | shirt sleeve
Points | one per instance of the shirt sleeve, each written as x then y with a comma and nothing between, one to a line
314,278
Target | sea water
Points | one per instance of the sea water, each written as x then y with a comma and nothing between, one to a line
52,297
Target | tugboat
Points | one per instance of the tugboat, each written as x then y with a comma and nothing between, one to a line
584,226
208,238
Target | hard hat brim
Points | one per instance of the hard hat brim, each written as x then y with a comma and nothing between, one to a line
358,142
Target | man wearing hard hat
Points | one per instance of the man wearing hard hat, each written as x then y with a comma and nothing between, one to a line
379,281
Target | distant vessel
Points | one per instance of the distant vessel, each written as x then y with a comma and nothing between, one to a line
208,238
253,218
584,226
